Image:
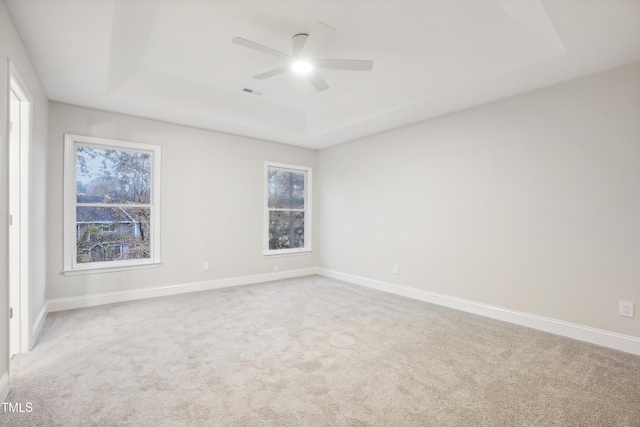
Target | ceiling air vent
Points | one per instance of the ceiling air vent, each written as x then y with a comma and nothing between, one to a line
246,89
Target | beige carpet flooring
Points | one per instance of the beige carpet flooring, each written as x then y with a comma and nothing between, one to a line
312,352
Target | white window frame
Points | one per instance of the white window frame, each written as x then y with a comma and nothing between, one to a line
71,266
307,210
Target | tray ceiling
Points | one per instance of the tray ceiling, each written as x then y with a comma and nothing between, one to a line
174,60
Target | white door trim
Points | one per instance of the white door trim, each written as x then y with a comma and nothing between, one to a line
21,218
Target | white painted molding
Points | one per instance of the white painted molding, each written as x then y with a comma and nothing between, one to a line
4,386
37,325
60,304
601,337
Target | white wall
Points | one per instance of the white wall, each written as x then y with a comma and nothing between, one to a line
212,195
11,48
531,203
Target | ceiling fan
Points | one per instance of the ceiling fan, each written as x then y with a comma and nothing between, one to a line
302,60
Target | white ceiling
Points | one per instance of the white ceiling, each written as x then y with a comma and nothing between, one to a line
173,60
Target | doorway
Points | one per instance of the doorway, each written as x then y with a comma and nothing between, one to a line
19,143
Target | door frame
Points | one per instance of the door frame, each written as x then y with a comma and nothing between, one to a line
19,209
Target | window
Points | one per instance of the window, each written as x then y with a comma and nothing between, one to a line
288,209
112,199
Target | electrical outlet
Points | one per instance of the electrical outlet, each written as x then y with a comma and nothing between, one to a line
396,269
276,268
205,265
626,309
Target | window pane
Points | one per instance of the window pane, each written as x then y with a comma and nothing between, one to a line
112,176
286,189
286,230
112,234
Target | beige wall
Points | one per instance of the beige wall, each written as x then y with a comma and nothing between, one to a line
532,203
212,196
11,48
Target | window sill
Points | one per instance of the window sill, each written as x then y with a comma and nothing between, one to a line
111,269
286,254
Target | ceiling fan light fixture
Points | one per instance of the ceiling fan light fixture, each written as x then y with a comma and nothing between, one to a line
297,62
300,66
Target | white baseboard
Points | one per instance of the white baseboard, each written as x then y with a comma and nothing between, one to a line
71,303
4,386
37,325
601,337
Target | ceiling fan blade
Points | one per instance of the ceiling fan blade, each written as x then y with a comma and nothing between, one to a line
317,81
271,73
344,64
318,36
259,47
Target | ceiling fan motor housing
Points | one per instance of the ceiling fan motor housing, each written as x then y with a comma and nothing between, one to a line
298,43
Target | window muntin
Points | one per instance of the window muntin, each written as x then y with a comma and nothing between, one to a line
111,203
288,213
